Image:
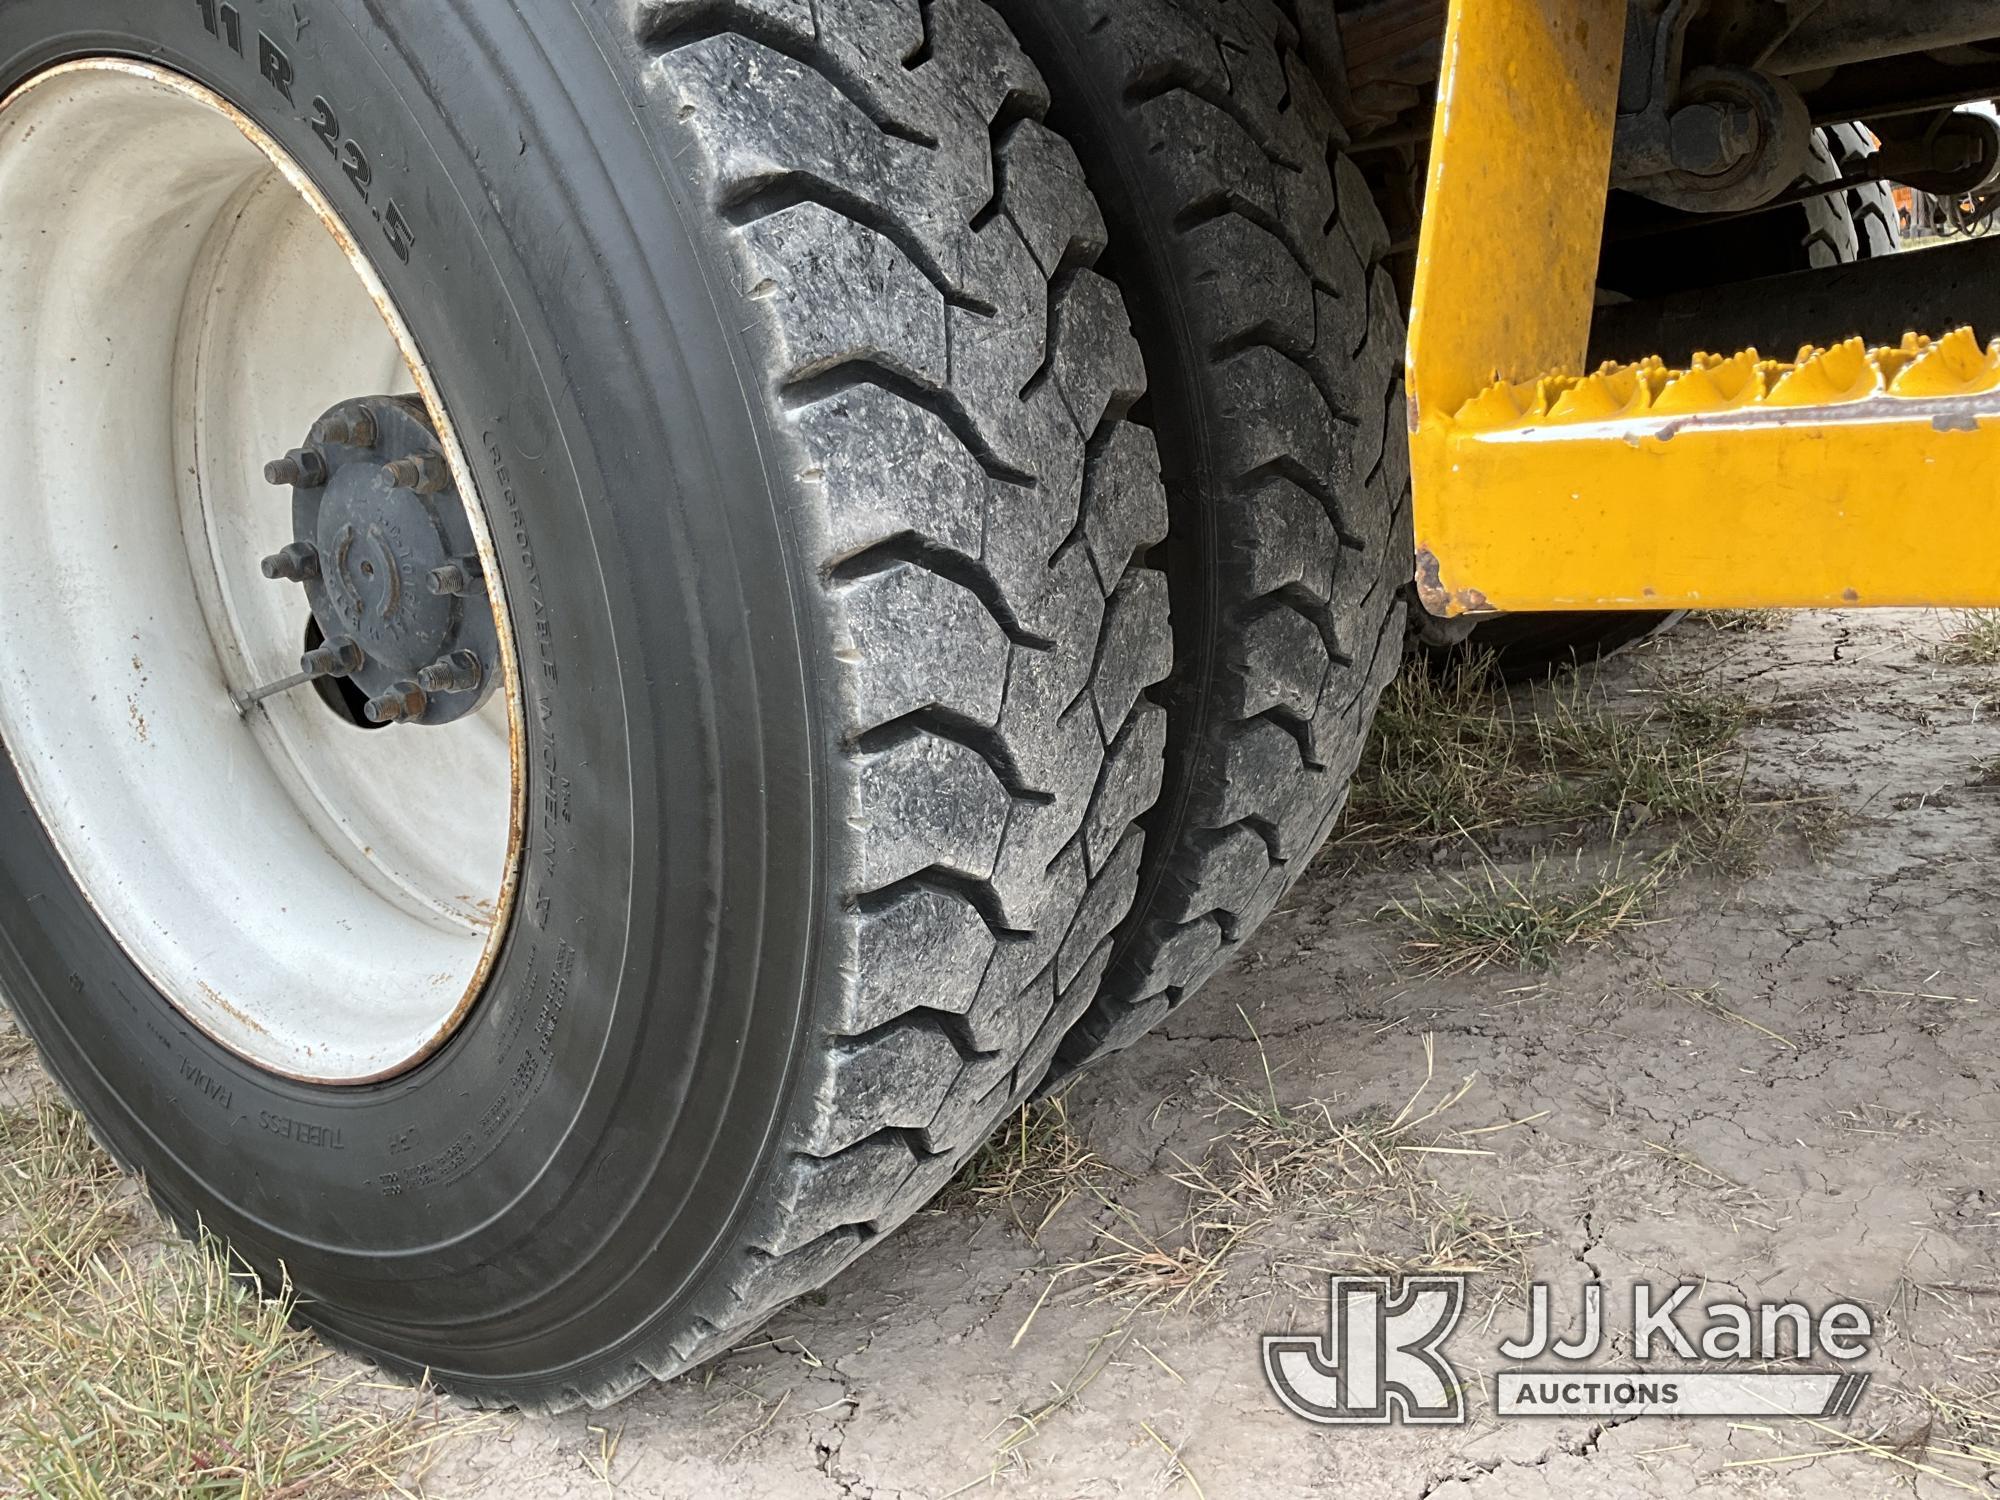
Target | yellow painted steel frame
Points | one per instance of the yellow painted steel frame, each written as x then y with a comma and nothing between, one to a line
1841,476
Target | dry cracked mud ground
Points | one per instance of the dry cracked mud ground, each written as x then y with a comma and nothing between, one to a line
1767,1066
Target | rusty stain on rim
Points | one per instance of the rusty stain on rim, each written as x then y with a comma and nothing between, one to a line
499,920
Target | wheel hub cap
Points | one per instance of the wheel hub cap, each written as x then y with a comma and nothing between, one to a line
388,561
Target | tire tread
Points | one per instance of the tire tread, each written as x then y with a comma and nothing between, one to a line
1234,171
952,382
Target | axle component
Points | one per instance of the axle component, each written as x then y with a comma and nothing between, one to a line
1720,138
387,559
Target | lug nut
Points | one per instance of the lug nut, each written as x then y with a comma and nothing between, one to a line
456,578
338,656
357,431
424,473
302,468
459,672
295,564
403,701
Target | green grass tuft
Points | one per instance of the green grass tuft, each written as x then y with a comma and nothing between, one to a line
1454,753
1528,922
1974,640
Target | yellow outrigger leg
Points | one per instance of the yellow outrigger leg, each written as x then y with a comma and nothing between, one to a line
1839,475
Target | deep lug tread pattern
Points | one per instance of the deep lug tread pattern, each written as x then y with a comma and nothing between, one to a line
1224,172
915,252
1871,207
1829,238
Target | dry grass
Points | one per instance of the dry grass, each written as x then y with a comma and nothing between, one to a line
1743,621
1957,1448
1453,753
1032,1166
1359,1184
1175,1272
1707,1002
1174,1472
1529,922
1974,640
132,1369
1823,824
1012,1437
1966,1428
1710,1193
1363,1176
1355,1189
1456,755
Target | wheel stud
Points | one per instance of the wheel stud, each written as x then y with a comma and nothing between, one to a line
357,431
455,578
295,564
403,701
372,475
302,468
337,656
459,672
424,473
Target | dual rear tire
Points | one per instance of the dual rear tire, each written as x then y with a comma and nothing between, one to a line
1251,253
834,517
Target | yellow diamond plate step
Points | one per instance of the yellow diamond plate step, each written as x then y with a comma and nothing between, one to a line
1842,476
1875,382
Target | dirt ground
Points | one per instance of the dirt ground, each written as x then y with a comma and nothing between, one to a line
1774,1074
1779,1081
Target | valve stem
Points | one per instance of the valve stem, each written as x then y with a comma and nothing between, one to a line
247,701
338,657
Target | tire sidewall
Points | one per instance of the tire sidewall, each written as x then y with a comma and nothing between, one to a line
610,1100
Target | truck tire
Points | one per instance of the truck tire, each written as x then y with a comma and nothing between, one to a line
1870,209
798,415
1250,252
1855,224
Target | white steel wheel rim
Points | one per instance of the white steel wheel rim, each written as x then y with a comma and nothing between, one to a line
321,899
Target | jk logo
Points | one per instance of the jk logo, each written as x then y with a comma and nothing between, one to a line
1380,1360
